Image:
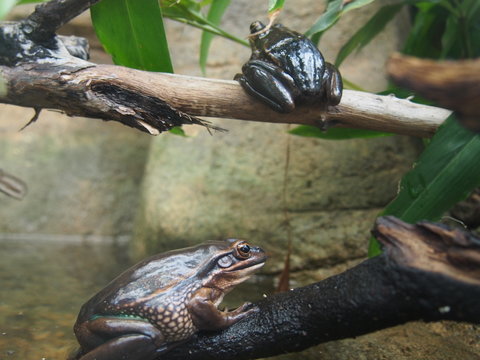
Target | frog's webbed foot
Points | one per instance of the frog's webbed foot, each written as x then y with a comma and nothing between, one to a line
268,84
206,316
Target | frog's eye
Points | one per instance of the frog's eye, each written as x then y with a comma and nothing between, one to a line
225,262
256,26
243,250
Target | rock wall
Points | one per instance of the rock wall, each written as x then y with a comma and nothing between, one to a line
83,175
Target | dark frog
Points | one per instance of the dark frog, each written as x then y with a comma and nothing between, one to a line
287,68
165,299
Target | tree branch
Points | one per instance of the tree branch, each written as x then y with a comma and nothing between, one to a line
156,102
427,272
106,92
42,70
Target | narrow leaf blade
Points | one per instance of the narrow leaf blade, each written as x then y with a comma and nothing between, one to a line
20,2
215,13
327,19
334,11
356,4
368,31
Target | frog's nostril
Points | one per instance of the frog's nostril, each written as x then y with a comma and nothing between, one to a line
256,26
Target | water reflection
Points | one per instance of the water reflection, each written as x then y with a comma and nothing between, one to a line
44,282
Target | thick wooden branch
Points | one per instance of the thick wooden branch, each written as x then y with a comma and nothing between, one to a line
452,84
42,70
142,99
427,272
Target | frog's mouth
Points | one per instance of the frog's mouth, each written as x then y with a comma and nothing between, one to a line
224,279
248,271
248,265
239,274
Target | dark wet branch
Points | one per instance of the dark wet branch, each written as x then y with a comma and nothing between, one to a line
80,88
48,17
427,272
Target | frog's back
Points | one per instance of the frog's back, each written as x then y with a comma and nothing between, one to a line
303,61
153,278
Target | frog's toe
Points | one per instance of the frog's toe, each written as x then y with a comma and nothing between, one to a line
333,85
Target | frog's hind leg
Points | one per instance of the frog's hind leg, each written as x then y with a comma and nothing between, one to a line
118,338
130,347
268,84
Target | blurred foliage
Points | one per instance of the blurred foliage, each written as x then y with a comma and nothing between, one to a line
5,7
335,133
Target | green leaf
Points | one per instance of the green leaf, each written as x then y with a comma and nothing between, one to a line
469,24
20,2
177,130
356,4
347,84
450,36
446,172
334,11
5,7
327,19
335,133
368,31
188,12
215,13
275,5
132,32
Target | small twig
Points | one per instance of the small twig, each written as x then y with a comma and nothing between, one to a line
33,119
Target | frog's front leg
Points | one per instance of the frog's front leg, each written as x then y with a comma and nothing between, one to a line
269,84
206,316
111,338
